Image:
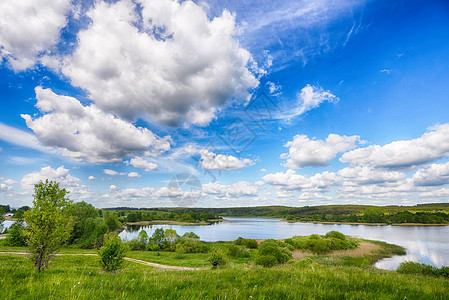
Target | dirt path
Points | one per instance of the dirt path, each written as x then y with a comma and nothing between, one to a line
147,263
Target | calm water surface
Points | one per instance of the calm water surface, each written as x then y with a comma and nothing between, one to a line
426,244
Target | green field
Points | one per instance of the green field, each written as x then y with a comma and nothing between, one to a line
72,275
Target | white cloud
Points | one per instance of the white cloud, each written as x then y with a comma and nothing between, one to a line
292,181
113,188
112,172
235,190
29,29
311,152
9,181
263,170
177,65
5,187
61,175
18,137
432,145
87,133
141,163
433,175
134,175
366,175
212,161
309,98
91,178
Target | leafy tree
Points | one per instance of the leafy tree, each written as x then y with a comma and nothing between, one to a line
216,259
19,214
94,230
49,225
112,221
159,237
16,237
1,218
112,253
80,212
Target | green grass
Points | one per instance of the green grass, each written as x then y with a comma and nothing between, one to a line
72,277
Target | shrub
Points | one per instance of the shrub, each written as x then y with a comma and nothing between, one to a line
266,261
276,249
189,245
236,251
216,259
112,253
191,235
152,246
336,235
410,267
16,236
248,243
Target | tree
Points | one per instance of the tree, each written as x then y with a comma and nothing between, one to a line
112,253
80,212
16,235
1,218
48,223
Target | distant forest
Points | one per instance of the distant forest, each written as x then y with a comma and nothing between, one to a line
435,213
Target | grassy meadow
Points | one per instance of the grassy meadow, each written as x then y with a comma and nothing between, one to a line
337,275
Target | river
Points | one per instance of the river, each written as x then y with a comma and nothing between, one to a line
425,244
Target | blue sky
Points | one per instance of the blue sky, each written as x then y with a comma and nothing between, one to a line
152,103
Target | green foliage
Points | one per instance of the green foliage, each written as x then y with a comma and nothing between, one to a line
81,212
112,253
336,235
276,249
16,237
217,258
93,232
266,261
410,267
112,221
191,235
189,245
248,243
48,225
237,252
159,237
315,243
141,242
19,213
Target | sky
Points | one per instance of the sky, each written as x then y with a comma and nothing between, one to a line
165,103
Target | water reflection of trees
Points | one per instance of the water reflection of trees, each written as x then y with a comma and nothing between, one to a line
136,228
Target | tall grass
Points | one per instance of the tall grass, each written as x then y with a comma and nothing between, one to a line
80,277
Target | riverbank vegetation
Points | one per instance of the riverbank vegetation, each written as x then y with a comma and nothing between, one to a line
420,214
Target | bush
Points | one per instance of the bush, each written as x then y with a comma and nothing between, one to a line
189,245
16,236
410,267
152,246
191,235
236,251
276,249
336,235
248,243
112,253
266,261
216,259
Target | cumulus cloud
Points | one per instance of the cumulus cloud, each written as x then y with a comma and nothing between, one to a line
212,161
235,190
88,134
432,145
175,65
309,98
91,178
112,172
29,29
61,175
432,175
367,175
304,152
141,163
292,181
134,175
